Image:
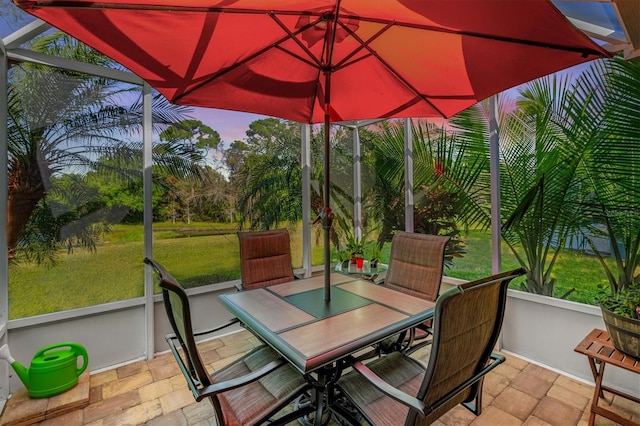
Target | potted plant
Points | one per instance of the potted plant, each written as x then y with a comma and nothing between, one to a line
621,316
374,252
620,299
355,246
344,257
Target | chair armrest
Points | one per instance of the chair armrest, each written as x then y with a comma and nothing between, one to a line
217,328
496,359
395,393
242,380
199,393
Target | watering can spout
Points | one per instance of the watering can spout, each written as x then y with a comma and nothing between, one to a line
20,369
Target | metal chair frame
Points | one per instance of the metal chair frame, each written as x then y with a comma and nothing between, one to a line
203,384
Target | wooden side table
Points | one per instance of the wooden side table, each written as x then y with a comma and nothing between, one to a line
600,352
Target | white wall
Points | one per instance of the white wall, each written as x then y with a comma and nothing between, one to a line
114,333
546,331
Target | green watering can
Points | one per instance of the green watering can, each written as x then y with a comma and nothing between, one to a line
54,369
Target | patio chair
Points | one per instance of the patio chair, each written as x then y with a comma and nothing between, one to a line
397,389
248,391
415,267
265,258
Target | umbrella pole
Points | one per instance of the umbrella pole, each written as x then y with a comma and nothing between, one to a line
328,216
326,223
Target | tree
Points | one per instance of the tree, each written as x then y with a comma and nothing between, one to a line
607,97
58,122
268,176
265,167
450,181
200,138
547,149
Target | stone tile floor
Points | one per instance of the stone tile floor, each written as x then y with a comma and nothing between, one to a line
155,393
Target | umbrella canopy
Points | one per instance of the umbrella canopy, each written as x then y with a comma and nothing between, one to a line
315,61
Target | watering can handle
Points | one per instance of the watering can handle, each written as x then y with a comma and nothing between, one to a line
78,349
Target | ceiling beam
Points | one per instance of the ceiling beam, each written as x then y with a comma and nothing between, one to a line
22,55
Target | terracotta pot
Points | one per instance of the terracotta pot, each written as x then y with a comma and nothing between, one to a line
624,332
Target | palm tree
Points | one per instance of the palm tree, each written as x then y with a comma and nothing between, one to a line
608,93
450,167
61,122
268,178
541,153
569,165
267,175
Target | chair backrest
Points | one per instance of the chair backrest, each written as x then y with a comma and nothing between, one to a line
416,263
265,258
176,304
467,322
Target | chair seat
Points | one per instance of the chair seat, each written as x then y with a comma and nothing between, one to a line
247,404
397,369
264,393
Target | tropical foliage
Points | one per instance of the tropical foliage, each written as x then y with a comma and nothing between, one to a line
609,91
448,173
542,147
570,162
265,170
62,122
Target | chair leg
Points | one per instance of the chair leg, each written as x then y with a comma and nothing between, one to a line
475,406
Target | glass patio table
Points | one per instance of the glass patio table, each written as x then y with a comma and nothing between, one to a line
315,336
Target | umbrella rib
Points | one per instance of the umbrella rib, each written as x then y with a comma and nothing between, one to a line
366,45
152,7
292,36
289,35
493,37
363,44
316,62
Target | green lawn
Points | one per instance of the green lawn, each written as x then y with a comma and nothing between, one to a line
576,273
198,256
114,272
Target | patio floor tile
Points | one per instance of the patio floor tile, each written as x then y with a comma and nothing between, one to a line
569,397
557,413
516,403
120,386
136,415
534,421
155,390
532,385
575,386
493,416
105,407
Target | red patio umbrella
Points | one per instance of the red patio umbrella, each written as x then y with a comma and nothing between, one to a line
315,61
